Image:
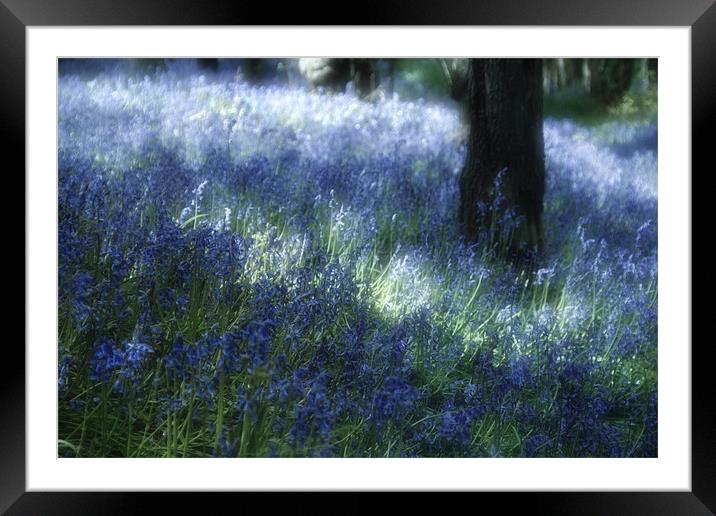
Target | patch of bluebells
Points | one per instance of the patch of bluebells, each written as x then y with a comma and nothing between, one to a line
314,415
393,401
107,360
116,364
196,209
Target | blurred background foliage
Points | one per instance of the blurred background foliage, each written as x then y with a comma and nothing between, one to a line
589,91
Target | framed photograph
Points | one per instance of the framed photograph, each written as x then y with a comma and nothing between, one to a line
414,251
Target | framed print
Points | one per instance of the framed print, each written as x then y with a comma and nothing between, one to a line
416,250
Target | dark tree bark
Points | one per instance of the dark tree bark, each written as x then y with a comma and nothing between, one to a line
506,137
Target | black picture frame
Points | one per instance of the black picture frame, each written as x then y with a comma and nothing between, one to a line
17,15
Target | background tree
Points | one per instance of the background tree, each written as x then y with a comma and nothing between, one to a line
575,72
554,74
363,73
335,73
455,72
611,79
205,63
257,71
505,110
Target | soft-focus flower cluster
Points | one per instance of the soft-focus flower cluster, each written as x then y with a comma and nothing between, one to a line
266,271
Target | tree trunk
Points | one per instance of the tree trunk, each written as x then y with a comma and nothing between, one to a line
561,73
506,138
363,76
391,76
586,75
575,72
